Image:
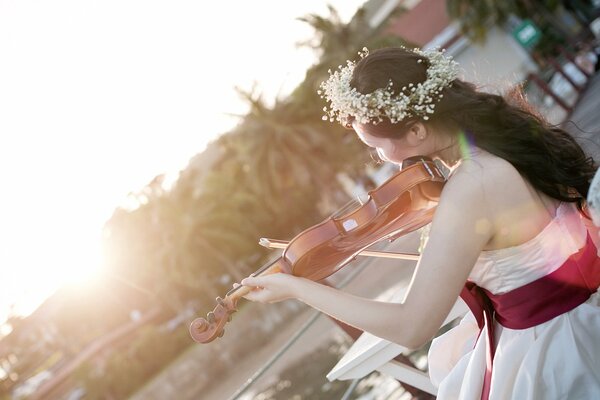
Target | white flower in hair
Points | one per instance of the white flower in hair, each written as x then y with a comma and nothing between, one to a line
414,100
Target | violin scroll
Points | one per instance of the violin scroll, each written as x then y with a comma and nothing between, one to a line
204,330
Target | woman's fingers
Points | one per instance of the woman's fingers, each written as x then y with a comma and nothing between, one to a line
257,295
269,288
252,281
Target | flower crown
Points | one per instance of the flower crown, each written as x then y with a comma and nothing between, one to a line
412,101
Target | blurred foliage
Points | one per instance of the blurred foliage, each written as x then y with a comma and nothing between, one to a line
87,318
126,369
274,175
180,245
476,18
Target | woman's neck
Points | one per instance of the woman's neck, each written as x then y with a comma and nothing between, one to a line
448,152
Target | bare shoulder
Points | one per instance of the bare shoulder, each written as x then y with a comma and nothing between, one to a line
493,189
486,166
484,174
477,190
466,196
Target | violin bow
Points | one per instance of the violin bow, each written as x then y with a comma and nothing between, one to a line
282,244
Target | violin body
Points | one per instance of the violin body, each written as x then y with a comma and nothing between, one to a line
397,207
402,204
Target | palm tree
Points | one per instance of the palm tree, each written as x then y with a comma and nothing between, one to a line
145,246
274,171
289,146
335,42
334,38
289,158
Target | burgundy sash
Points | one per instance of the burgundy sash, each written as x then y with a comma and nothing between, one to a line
536,302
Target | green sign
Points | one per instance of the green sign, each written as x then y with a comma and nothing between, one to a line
527,34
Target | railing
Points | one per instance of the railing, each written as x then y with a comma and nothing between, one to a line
287,346
562,82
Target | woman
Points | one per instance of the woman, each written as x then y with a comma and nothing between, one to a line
508,230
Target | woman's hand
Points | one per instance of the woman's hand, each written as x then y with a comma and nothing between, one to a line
271,288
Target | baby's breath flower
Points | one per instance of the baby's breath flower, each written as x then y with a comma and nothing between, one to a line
413,101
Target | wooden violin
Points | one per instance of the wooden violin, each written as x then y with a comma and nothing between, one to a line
402,204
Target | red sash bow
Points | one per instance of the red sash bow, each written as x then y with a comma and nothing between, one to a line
536,302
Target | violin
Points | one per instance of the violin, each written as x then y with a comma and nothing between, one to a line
402,204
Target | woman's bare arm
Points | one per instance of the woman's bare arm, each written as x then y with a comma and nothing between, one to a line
458,233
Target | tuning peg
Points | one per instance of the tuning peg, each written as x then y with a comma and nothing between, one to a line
220,301
210,317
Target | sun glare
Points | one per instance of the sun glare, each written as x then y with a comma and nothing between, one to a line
83,264
99,98
65,259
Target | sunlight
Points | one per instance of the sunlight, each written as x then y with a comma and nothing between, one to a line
64,259
83,265
98,99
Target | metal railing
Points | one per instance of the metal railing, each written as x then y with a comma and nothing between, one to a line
284,349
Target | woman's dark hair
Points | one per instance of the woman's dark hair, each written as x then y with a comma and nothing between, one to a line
547,156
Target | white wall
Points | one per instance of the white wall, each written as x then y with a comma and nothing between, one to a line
498,63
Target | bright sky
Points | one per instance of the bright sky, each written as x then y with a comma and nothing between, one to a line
99,96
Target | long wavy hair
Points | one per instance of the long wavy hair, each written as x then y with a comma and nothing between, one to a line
506,126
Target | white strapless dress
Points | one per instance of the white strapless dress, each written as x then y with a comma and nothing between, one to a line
559,359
